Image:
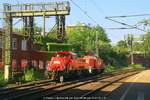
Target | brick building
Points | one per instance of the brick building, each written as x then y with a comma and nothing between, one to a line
21,53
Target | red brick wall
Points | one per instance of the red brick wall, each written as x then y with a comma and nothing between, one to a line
38,57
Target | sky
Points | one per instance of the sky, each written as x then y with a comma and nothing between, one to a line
98,10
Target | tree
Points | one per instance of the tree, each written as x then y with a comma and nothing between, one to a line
121,47
83,37
146,42
116,55
146,37
145,23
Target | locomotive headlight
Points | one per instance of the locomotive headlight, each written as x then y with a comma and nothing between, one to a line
56,62
90,69
87,61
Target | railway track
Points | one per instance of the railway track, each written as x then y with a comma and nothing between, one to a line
26,86
49,89
108,83
86,90
26,90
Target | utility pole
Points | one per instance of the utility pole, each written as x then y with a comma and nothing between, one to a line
43,24
130,43
7,43
43,31
97,44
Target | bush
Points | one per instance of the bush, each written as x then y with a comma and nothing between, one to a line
39,74
29,75
110,68
59,47
2,81
1,75
32,75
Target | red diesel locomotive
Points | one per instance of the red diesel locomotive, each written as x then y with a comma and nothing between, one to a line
67,63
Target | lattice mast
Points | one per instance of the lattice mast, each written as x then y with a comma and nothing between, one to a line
27,12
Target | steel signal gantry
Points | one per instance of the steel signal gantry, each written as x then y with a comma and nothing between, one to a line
27,12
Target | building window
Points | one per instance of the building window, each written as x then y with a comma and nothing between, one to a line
34,63
0,41
24,63
24,45
14,43
41,64
14,63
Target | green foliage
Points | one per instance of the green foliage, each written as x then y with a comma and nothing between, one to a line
133,67
2,81
37,29
121,47
1,75
137,66
110,68
138,47
32,75
39,75
116,55
145,22
143,47
112,57
122,44
29,76
59,47
146,43
51,37
83,37
146,37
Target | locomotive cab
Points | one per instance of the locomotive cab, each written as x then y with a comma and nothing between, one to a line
60,64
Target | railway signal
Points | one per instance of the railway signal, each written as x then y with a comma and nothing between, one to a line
129,40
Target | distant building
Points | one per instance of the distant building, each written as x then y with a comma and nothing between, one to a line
80,25
139,58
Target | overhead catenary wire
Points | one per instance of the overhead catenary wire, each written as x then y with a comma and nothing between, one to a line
99,9
84,12
135,27
17,21
123,16
119,28
88,15
126,16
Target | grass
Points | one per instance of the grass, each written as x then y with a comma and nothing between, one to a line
30,75
110,68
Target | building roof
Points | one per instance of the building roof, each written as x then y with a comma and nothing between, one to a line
14,33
